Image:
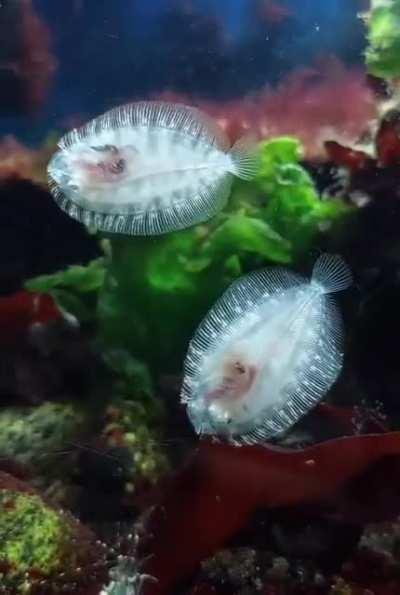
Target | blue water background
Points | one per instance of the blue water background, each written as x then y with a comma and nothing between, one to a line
113,51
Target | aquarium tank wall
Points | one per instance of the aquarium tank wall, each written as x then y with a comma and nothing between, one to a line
199,297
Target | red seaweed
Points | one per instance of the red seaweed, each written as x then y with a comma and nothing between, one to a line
301,105
387,145
18,161
23,309
347,418
347,157
27,63
273,13
216,494
38,65
388,140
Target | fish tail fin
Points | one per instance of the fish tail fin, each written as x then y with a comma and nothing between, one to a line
331,273
245,158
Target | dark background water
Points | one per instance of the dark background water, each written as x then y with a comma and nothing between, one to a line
112,51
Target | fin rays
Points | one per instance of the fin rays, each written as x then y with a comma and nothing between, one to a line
206,202
185,119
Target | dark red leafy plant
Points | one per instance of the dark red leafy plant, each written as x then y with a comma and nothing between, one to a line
18,312
386,142
221,486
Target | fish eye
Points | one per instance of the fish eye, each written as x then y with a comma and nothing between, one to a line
117,167
239,367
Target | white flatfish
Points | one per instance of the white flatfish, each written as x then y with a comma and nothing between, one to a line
147,168
266,353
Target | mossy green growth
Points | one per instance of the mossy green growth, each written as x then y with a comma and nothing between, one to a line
32,537
134,420
30,435
383,51
147,461
156,290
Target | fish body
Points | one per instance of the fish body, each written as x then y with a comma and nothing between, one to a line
147,168
266,353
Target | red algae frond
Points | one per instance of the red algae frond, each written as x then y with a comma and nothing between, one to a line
38,64
301,105
22,162
222,486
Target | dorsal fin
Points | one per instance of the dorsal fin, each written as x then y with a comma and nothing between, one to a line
158,114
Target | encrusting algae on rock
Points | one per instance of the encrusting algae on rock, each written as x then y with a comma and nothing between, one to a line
32,537
29,435
43,550
126,428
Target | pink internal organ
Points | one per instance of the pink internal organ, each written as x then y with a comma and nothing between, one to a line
237,380
109,164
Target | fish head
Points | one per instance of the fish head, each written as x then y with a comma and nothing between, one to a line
103,165
235,379
224,391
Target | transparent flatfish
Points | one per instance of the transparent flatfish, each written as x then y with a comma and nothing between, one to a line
147,168
266,353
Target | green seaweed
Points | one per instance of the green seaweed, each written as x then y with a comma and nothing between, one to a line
294,208
383,51
147,295
75,289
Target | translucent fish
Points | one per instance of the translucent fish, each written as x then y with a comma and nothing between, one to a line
147,168
266,353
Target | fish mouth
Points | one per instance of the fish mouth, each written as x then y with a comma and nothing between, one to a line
208,422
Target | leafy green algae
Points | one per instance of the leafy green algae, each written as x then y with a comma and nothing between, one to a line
294,208
383,51
149,293
75,289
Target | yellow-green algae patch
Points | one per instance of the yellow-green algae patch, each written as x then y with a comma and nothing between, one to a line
32,539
